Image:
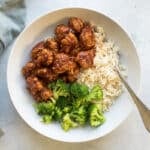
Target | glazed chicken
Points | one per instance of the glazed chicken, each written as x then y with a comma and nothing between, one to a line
76,24
51,44
60,31
72,48
37,89
42,57
60,65
73,71
46,74
85,58
69,42
28,69
87,38
39,45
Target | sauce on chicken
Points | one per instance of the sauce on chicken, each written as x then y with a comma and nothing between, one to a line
63,56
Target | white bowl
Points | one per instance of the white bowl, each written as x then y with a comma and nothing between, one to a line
39,30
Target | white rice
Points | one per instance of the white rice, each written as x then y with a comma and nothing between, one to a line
102,73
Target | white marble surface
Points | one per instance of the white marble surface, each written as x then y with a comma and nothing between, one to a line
134,16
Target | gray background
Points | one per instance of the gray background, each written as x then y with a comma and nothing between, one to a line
134,16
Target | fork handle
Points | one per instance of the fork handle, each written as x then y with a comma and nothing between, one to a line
143,109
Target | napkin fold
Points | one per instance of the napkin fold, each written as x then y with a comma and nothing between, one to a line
1,132
12,21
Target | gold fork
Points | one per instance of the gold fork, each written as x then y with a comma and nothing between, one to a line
142,108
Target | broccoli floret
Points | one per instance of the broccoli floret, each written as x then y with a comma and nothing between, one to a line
79,115
52,85
72,105
67,122
63,102
96,93
79,90
45,108
58,114
67,109
77,102
47,119
96,118
59,88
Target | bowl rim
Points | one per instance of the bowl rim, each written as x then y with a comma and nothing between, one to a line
36,20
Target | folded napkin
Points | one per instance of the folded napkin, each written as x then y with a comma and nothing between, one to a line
1,132
12,20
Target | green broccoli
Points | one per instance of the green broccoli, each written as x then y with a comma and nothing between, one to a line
67,109
45,108
58,114
67,122
77,102
79,115
62,102
96,93
59,88
79,90
63,106
47,118
52,85
72,105
96,117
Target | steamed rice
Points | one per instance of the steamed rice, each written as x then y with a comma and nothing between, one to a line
102,73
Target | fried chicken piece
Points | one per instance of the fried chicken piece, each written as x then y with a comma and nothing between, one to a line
85,58
73,71
72,58
46,94
60,31
51,44
71,67
60,65
42,57
46,74
69,42
28,69
73,77
76,24
39,45
75,51
37,89
87,38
